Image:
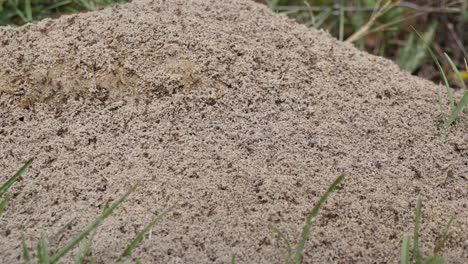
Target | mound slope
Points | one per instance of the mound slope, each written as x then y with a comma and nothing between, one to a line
241,117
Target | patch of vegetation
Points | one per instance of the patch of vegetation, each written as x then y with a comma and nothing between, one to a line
5,197
297,258
455,109
86,236
19,12
382,27
417,258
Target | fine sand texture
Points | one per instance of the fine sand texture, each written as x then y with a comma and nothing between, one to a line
240,117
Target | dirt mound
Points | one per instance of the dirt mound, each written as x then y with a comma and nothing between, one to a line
239,116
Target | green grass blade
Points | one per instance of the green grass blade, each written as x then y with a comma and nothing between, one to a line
434,57
440,243
405,250
405,53
322,17
233,260
463,102
310,217
412,55
357,21
43,250
273,4
15,177
140,235
456,71
285,239
58,4
88,5
85,247
342,20
434,260
26,255
4,202
28,10
85,232
417,254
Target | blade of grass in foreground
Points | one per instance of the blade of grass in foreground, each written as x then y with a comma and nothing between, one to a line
405,250
434,260
434,57
90,227
9,183
139,237
310,217
26,255
15,177
85,247
456,71
285,239
464,101
417,254
441,241
43,250
4,202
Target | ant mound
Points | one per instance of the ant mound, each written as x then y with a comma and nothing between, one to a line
240,118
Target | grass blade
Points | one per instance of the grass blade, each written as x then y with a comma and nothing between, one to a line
85,247
28,10
15,177
26,255
140,235
285,239
442,73
43,250
440,243
58,4
342,20
272,4
17,11
88,5
357,21
90,227
434,260
463,102
310,217
233,260
456,71
4,202
403,58
405,250
412,55
417,254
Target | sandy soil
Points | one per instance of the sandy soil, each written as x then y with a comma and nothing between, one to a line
240,117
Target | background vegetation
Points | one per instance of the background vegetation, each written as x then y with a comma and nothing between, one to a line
443,24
